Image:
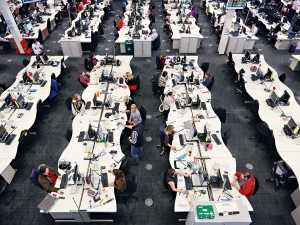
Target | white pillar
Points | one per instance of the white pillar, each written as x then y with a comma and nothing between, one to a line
11,24
226,28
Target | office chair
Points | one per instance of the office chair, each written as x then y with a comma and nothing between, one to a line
167,188
212,83
282,77
241,83
125,166
34,178
25,62
159,65
115,24
154,83
54,90
230,64
3,186
68,103
162,139
281,174
138,85
68,134
205,67
156,43
226,136
94,38
131,186
40,109
143,113
221,113
3,87
256,186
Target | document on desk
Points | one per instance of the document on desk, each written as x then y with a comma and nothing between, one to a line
47,203
118,157
120,126
209,111
228,208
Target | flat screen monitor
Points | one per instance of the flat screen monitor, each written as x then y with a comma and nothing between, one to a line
256,58
198,101
45,58
8,99
174,82
100,133
91,132
29,26
75,174
274,97
25,28
77,24
247,55
293,126
192,131
20,101
2,132
285,97
286,26
259,73
109,100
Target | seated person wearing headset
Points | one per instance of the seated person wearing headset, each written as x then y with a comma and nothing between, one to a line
47,178
244,182
77,104
120,182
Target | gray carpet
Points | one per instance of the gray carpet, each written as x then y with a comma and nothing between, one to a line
270,207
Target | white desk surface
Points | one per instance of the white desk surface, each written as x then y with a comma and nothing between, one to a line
296,57
285,146
76,151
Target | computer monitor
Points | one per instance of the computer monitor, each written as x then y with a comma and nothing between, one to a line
44,58
100,133
192,131
109,100
256,58
285,97
248,55
29,26
75,174
293,126
8,99
19,102
274,97
26,78
259,73
198,101
36,76
286,26
268,74
91,133
25,28
3,132
174,82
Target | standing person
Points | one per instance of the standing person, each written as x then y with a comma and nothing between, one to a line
168,101
37,47
128,102
136,140
162,82
244,182
47,178
120,182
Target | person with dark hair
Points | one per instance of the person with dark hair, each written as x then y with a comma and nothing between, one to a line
244,182
169,134
207,80
84,78
47,178
77,104
168,101
120,181
93,59
277,28
162,82
171,179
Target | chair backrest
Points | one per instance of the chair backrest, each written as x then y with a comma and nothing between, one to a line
221,113
282,77
125,166
101,30
143,113
158,62
205,67
68,134
255,106
138,82
256,185
25,62
68,103
131,183
34,178
162,135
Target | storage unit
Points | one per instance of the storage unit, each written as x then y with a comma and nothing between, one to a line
236,44
71,47
188,43
142,48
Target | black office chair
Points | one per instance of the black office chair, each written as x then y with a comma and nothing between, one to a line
25,62
125,166
241,83
256,186
159,65
115,24
281,174
68,134
156,43
40,110
131,186
143,113
254,109
161,139
221,113
68,103
138,83
212,83
205,67
226,136
167,188
282,77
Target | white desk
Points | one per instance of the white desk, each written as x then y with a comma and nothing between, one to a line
295,63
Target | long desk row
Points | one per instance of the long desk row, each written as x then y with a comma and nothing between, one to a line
218,157
17,120
276,118
78,205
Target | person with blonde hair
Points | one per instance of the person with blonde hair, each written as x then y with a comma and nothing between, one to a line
77,104
134,112
131,82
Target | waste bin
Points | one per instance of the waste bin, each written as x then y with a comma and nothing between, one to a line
129,47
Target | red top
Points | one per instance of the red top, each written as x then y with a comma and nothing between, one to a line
52,177
248,187
120,24
80,7
85,2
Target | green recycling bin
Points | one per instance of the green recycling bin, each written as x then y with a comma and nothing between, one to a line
129,47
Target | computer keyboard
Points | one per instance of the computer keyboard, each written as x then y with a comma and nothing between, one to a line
216,139
9,139
64,181
181,139
88,105
203,106
110,136
43,83
81,136
227,182
104,179
29,105
188,183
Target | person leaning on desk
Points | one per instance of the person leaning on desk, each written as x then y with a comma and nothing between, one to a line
120,182
47,178
169,134
244,182
171,179
77,104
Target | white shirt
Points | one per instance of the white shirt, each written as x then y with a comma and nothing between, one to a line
153,36
254,30
168,101
37,47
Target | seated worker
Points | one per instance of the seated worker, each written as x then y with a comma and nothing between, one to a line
162,82
284,11
244,182
54,88
121,23
120,182
178,13
93,59
194,12
168,101
153,35
171,180
84,78
207,82
5,43
253,30
163,59
169,134
47,178
128,102
77,104
134,112
80,6
37,47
